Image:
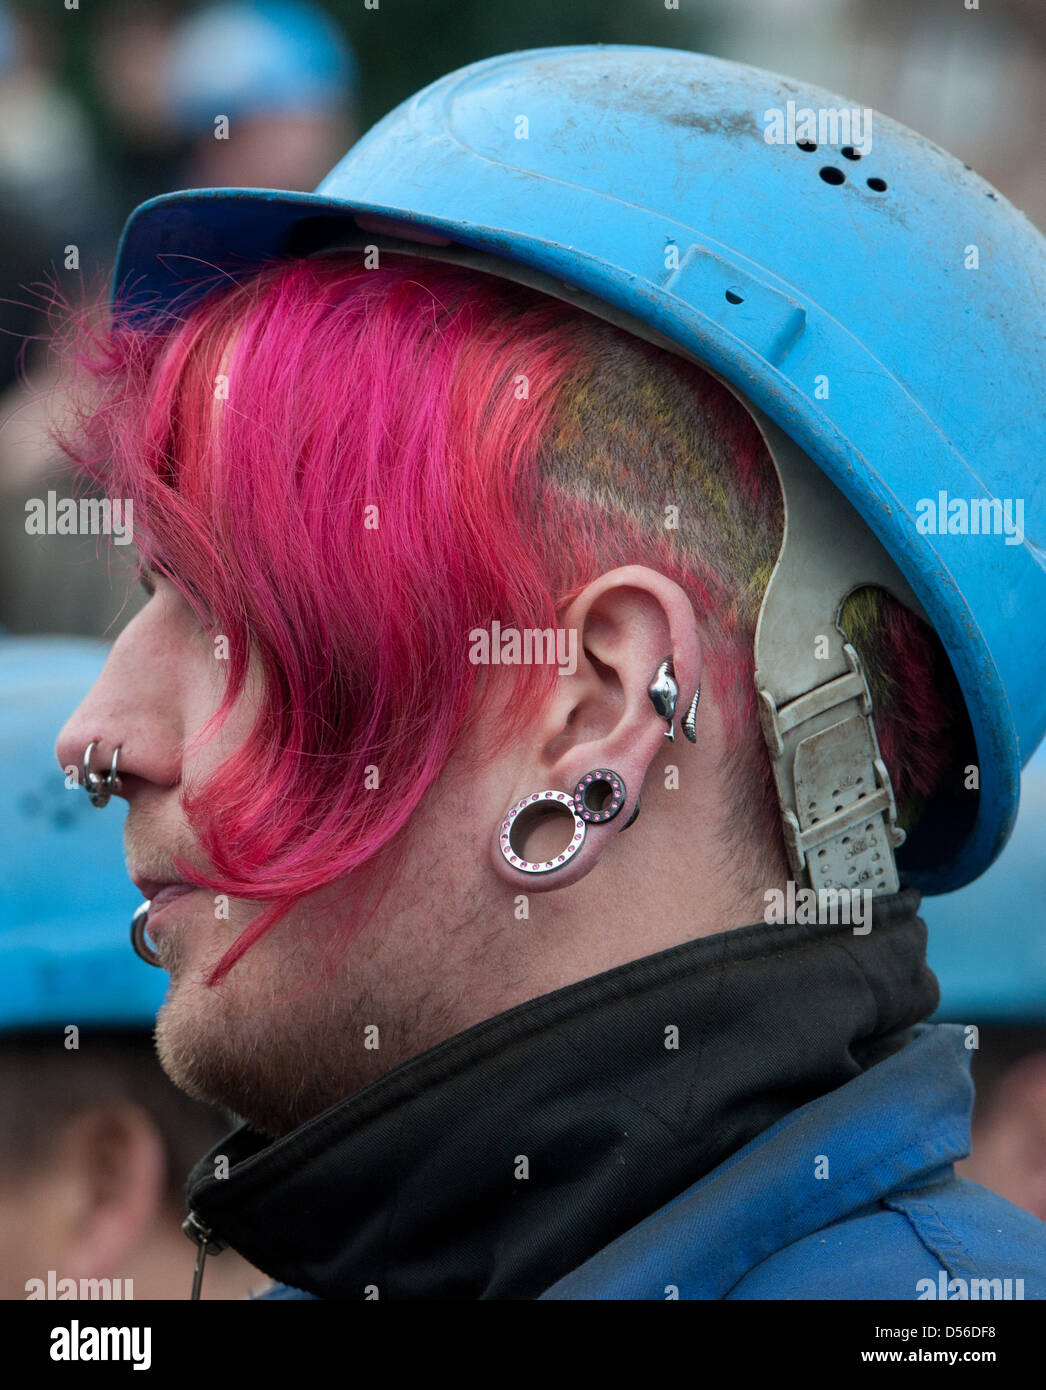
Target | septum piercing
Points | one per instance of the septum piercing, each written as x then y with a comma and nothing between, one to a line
100,786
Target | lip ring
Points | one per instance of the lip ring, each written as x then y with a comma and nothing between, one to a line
139,940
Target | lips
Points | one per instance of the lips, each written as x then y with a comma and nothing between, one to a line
151,887
163,907
161,894
167,894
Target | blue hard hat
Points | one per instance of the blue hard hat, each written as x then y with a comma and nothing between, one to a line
265,58
65,900
879,305
988,940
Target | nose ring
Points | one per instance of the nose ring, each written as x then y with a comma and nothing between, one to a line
100,786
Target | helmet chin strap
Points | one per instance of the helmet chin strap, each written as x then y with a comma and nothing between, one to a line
838,813
837,805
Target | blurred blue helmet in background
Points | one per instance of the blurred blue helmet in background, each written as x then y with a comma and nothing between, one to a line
65,899
988,940
9,47
273,57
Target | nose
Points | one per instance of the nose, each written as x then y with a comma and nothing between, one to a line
127,730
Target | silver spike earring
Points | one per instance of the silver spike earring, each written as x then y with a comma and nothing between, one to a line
664,693
690,721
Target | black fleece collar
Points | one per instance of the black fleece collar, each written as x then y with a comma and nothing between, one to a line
496,1162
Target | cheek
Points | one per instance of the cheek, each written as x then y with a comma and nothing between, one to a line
208,690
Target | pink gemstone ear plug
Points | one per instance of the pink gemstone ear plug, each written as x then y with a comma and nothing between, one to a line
522,817
599,795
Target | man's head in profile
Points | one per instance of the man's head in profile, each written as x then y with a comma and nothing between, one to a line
341,478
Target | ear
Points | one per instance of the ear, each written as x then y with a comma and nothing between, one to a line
112,1169
600,718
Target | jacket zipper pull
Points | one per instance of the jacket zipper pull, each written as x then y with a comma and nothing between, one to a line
206,1244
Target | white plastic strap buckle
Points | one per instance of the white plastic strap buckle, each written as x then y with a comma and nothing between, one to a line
840,821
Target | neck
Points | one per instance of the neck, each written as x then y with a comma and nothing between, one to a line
492,1164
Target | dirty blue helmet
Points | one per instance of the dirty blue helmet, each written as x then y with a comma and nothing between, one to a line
988,940
65,900
265,58
871,302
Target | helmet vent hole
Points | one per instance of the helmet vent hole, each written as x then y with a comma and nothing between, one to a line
848,152
877,185
735,297
807,146
831,174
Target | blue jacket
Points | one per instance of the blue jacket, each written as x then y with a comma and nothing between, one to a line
888,1220
889,1213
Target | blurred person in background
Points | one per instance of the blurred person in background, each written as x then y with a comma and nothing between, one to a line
47,167
988,950
95,1142
49,583
971,77
265,91
63,206
285,79
53,183
127,59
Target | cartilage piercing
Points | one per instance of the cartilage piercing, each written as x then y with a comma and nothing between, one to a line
664,694
690,721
